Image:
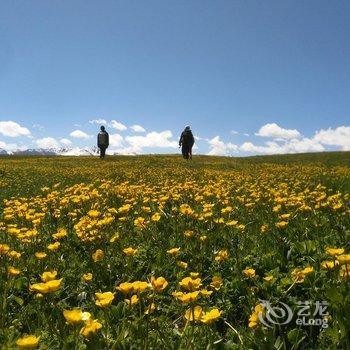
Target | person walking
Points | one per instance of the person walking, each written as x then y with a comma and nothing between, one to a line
186,142
102,141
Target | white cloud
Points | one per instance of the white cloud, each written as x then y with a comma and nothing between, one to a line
198,138
152,139
13,129
47,142
220,148
234,132
10,147
79,134
137,128
66,142
304,145
334,137
275,131
115,140
117,125
250,147
98,121
291,146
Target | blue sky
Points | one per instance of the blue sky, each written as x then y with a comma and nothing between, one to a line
250,77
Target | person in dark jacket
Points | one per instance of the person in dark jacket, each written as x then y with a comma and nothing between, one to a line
102,141
187,142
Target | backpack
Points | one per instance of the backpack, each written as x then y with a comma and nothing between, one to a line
187,137
102,139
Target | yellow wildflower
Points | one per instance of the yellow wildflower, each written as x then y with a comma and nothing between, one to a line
125,287
129,251
47,287
132,301
155,217
98,255
194,314
139,286
222,255
254,317
190,283
87,277
48,276
91,327
211,316
249,272
343,259
28,342
334,251
216,282
104,299
173,251
40,255
53,246
158,284
76,316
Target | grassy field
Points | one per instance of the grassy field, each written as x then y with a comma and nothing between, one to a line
153,252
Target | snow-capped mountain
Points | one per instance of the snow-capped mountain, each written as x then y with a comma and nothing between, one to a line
76,151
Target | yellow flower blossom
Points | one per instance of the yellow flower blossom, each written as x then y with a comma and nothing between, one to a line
12,271
76,316
190,283
140,222
254,317
222,255
159,284
329,264
194,314
334,251
186,297
150,308
28,342
40,255
104,299
139,286
155,217
90,328
98,255
173,251
87,277
211,316
343,259
48,276
114,238
216,282
269,278
125,287
53,246
182,264
249,272
129,251
61,232
47,287
132,301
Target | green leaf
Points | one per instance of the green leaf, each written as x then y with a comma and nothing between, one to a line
278,344
18,300
334,295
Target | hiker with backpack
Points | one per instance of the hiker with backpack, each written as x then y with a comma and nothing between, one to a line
187,142
102,141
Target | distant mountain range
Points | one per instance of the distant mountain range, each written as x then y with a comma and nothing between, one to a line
76,151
